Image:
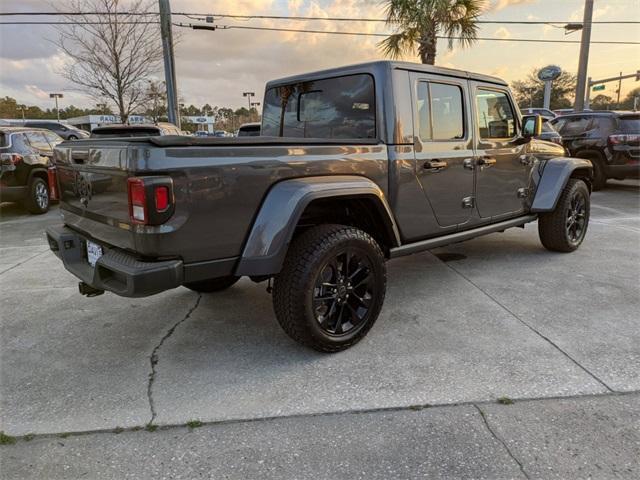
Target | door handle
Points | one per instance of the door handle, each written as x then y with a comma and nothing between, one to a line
434,165
487,161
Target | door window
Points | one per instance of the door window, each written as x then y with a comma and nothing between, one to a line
38,141
52,138
576,125
495,115
440,112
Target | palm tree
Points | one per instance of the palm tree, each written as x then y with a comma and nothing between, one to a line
420,22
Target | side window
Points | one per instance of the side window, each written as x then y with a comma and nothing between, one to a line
440,112
576,125
19,143
495,115
38,141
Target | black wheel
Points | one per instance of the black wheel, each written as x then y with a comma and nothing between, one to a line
212,285
599,173
564,229
38,197
331,287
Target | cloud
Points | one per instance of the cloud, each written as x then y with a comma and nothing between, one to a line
502,32
36,92
497,5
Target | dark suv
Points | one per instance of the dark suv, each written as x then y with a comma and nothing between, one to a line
26,174
611,140
67,132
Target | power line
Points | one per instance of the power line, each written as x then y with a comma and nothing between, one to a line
368,34
328,32
305,18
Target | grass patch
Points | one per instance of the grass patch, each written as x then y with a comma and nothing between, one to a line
6,439
64,435
418,407
136,428
151,427
118,430
28,437
194,424
505,401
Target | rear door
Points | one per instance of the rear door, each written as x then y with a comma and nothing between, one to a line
443,146
503,170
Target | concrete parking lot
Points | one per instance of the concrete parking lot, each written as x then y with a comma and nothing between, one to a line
462,326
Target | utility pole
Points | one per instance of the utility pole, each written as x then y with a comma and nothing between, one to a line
619,88
584,55
169,64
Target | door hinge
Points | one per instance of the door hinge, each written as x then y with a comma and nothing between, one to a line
523,192
468,202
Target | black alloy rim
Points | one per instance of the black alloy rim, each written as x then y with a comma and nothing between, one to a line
576,217
343,293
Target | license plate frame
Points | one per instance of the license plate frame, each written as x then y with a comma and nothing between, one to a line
94,252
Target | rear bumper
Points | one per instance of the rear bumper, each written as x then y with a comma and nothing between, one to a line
13,194
116,271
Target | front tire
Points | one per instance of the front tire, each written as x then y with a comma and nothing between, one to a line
564,229
38,198
212,285
331,287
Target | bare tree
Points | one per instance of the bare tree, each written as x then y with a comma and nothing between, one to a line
113,55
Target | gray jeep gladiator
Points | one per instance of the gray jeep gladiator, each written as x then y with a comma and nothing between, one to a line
355,165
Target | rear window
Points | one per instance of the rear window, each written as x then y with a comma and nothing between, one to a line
124,132
4,139
341,107
249,131
630,124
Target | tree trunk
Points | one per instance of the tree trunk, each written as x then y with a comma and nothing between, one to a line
428,45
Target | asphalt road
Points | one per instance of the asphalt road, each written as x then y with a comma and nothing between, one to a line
462,326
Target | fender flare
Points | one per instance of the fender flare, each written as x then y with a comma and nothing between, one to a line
275,223
554,178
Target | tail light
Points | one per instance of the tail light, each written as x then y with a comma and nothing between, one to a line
151,200
53,182
625,139
10,158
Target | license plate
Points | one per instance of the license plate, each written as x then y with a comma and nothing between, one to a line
94,252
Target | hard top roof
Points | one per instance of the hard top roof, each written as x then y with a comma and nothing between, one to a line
380,66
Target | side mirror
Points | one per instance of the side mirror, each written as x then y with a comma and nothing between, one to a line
531,126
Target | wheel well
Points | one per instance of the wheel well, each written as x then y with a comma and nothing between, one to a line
585,175
365,213
39,174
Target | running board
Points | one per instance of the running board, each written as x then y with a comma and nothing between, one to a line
459,236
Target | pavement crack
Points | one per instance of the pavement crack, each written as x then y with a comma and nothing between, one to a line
504,444
534,330
23,262
153,359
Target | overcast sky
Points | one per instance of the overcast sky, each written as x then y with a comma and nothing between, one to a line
216,67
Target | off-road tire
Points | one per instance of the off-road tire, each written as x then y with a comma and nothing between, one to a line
295,286
553,226
38,199
212,285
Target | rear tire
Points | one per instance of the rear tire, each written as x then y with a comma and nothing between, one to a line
564,229
599,173
38,199
331,287
212,285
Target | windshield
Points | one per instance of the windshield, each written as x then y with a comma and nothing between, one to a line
630,124
342,107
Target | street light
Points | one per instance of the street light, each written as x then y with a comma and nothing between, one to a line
56,96
249,95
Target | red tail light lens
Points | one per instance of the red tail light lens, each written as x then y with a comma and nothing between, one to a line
162,198
623,139
137,201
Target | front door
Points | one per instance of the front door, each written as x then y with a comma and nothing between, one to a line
443,146
502,166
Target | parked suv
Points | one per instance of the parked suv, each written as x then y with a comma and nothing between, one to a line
356,165
611,140
66,131
27,175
